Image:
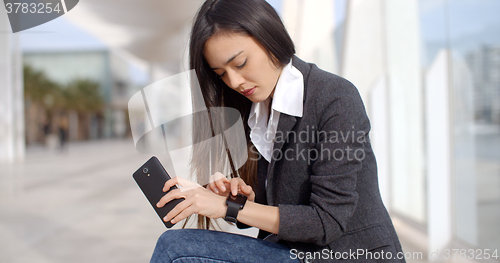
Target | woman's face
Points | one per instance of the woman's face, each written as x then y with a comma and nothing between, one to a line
243,64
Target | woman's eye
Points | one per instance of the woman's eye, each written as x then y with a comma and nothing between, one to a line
221,75
242,65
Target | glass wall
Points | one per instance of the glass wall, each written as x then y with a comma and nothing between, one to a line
471,31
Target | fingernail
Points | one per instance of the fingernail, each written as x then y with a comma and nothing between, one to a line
223,188
158,204
172,221
216,190
165,219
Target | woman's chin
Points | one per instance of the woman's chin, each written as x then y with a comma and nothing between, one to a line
255,98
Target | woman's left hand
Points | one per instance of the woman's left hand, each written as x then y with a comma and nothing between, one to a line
220,185
197,200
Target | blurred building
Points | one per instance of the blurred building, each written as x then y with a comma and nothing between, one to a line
485,65
109,70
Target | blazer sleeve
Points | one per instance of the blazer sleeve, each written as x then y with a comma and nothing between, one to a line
343,128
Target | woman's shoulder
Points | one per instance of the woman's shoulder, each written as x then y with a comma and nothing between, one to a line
322,88
323,83
327,95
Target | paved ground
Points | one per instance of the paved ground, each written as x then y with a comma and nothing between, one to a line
77,206
81,205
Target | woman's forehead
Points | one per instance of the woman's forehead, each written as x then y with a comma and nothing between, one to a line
223,48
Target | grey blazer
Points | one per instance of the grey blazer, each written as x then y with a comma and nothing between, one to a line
323,176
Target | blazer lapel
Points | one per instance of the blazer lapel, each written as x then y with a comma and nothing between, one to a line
285,124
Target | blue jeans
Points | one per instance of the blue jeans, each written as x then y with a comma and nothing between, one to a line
199,245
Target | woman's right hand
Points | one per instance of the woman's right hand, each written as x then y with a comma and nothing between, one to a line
221,185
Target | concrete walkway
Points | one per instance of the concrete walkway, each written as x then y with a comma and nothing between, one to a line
81,205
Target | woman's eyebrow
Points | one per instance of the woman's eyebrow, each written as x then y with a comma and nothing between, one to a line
230,59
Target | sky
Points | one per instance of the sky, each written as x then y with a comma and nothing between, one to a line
58,34
466,24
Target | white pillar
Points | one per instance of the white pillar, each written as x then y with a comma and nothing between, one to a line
379,118
439,152
402,48
311,25
363,51
11,94
382,44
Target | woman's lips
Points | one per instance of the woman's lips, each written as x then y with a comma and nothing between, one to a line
248,92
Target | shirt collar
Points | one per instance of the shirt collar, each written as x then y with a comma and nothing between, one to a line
288,96
289,92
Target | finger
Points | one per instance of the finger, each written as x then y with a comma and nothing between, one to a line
182,215
219,179
179,208
170,183
213,187
186,184
217,182
251,195
221,184
246,189
235,185
174,194
216,176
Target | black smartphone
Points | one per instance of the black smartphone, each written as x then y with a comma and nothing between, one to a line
151,178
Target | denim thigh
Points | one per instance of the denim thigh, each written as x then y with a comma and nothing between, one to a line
199,245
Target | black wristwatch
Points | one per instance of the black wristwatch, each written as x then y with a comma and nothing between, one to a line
234,205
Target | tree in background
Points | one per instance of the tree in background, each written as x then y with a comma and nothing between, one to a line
42,96
83,96
48,104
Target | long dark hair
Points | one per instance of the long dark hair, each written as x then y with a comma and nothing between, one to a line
256,18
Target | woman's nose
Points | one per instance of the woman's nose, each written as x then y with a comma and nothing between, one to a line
235,79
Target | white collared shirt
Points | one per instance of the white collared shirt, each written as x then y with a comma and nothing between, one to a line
288,99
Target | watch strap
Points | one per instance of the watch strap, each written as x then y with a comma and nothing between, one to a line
232,212
233,208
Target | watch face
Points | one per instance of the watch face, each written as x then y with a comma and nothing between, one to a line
234,204
238,199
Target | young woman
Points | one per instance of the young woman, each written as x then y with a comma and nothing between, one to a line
310,183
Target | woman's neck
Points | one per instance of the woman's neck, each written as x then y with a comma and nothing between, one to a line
269,109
